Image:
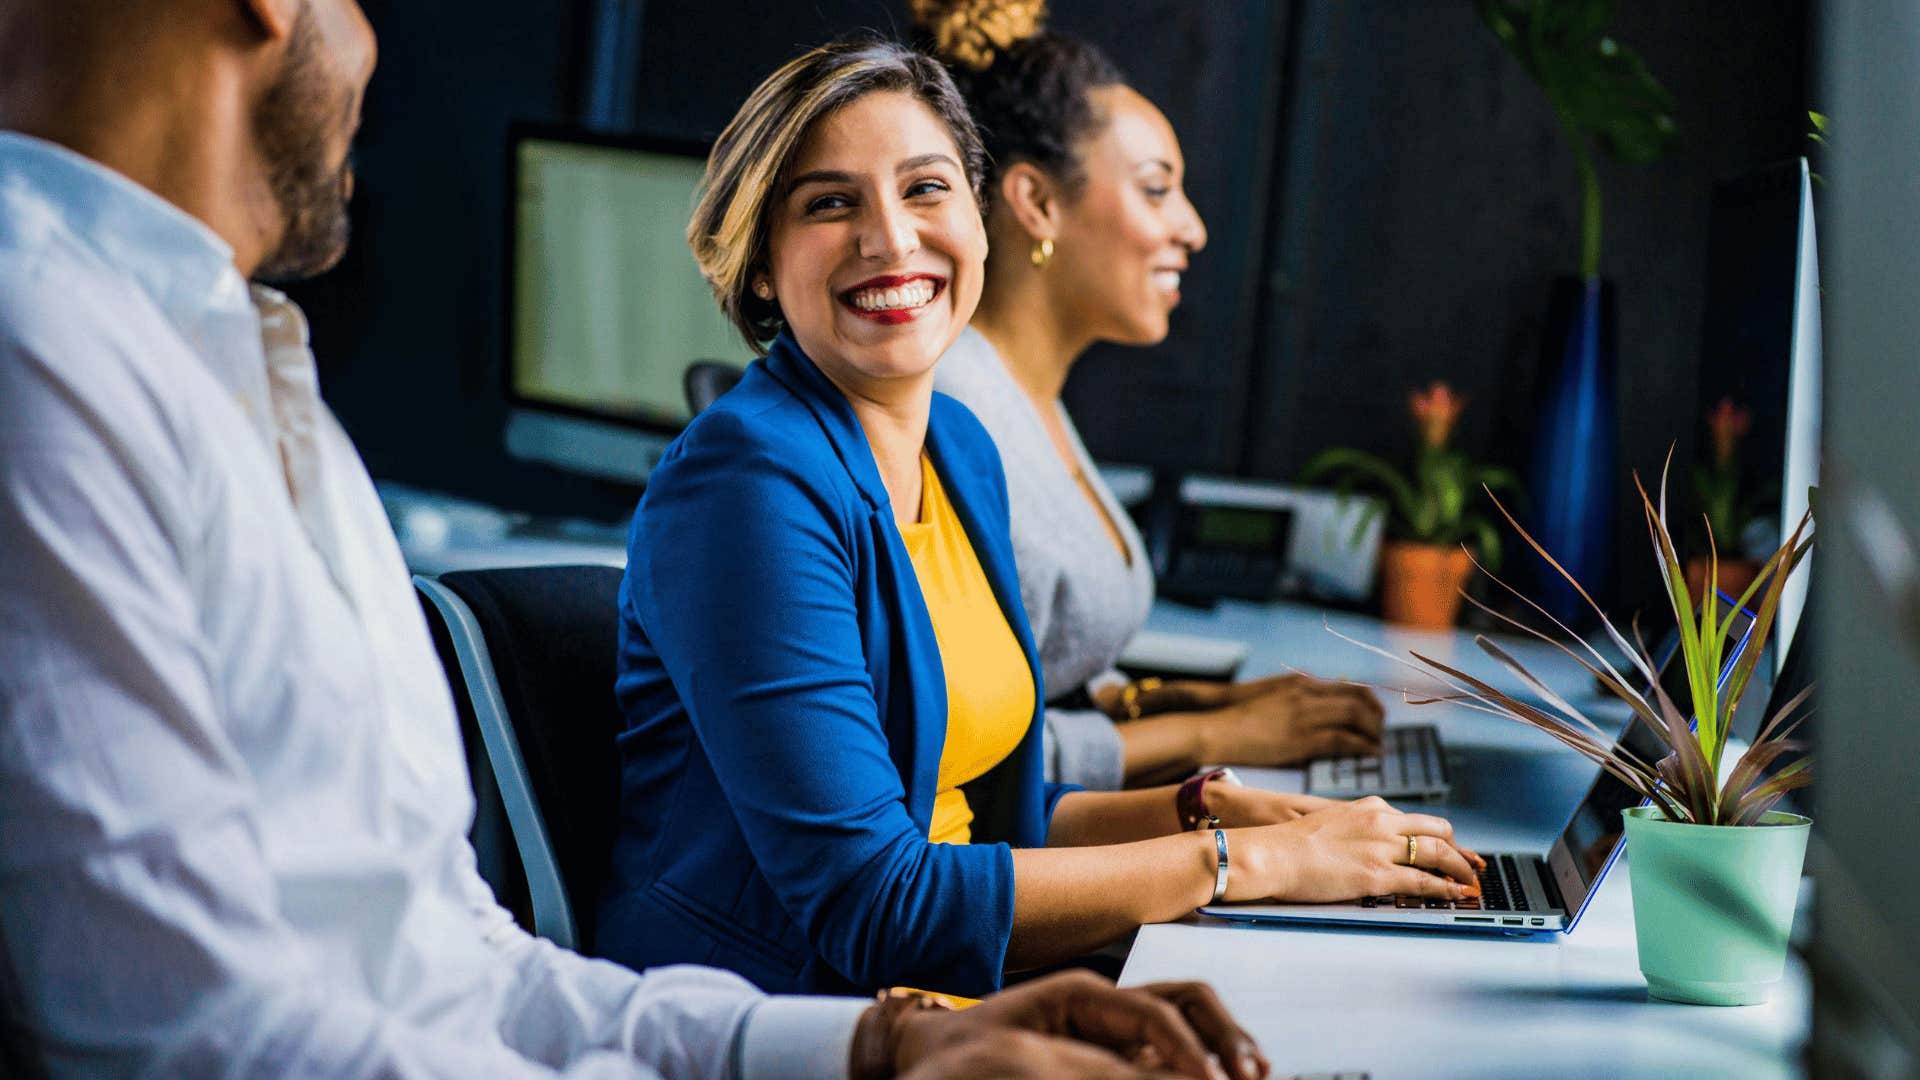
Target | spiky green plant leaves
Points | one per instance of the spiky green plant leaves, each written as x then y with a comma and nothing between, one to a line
1684,784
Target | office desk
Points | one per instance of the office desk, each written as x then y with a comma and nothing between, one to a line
1423,1004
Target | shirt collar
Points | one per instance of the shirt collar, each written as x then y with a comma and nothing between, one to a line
175,258
183,266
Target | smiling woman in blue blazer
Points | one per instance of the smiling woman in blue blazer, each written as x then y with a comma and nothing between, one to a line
831,773
833,801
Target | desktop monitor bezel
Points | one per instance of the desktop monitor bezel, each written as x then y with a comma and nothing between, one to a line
1800,461
604,443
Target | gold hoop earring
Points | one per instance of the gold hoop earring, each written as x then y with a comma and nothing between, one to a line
1042,253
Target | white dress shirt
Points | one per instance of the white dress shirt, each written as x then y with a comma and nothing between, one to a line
233,801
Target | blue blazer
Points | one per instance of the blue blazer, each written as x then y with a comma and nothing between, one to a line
786,709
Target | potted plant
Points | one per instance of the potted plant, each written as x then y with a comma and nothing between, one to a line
1424,567
1726,507
1715,869
1605,100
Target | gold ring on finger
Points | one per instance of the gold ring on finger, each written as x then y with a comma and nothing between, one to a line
1413,850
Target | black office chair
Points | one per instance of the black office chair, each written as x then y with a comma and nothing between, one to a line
706,380
531,652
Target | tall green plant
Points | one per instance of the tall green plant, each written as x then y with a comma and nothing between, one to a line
1600,91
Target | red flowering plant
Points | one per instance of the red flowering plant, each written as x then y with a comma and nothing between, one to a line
1437,502
1716,481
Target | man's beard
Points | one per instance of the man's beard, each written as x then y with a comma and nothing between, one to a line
295,125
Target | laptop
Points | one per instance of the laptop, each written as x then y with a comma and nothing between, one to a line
1526,893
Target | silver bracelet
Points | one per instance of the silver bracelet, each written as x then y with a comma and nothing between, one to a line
1220,869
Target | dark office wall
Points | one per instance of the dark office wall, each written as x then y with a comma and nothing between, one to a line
1436,199
409,327
1386,194
1218,71
1429,199
1214,68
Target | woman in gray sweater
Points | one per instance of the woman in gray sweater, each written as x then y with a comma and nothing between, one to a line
1090,232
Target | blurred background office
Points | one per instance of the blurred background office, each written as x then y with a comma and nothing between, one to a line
1389,194
1390,197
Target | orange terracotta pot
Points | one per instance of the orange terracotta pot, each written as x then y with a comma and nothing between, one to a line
1420,583
1735,576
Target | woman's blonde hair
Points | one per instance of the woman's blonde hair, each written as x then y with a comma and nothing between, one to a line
730,227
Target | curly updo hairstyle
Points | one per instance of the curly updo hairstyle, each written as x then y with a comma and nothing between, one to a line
738,196
1029,88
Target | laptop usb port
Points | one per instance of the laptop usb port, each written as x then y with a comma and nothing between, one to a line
1474,918
1513,922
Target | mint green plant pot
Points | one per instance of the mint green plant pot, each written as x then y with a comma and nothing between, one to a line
1712,905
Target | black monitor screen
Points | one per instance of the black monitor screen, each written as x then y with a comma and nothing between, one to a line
1226,526
1596,825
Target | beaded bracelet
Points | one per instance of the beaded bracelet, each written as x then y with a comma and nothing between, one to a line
1130,697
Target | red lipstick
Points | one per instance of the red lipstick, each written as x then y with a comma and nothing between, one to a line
892,316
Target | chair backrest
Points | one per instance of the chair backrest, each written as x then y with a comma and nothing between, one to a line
706,380
492,831
536,651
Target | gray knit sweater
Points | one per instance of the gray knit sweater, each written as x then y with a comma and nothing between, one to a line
1083,598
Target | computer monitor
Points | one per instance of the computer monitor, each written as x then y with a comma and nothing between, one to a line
605,308
1761,348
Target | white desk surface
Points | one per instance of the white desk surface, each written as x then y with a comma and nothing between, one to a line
1423,1004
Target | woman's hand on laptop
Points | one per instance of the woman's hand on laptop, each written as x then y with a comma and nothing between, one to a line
1350,850
1290,719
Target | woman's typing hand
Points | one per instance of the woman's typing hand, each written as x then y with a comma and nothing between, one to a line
1291,719
1348,850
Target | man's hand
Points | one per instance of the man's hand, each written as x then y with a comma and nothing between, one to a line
1180,1029
1012,1054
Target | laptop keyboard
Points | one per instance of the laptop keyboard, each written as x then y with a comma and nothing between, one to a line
1409,760
1500,890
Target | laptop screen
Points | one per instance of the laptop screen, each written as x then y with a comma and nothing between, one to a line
1592,836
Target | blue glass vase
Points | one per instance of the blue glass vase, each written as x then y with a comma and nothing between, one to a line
1575,449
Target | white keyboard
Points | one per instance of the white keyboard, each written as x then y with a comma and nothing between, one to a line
1410,765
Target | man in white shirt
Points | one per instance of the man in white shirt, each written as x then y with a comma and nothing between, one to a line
233,804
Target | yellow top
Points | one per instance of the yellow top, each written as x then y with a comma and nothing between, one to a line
989,685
